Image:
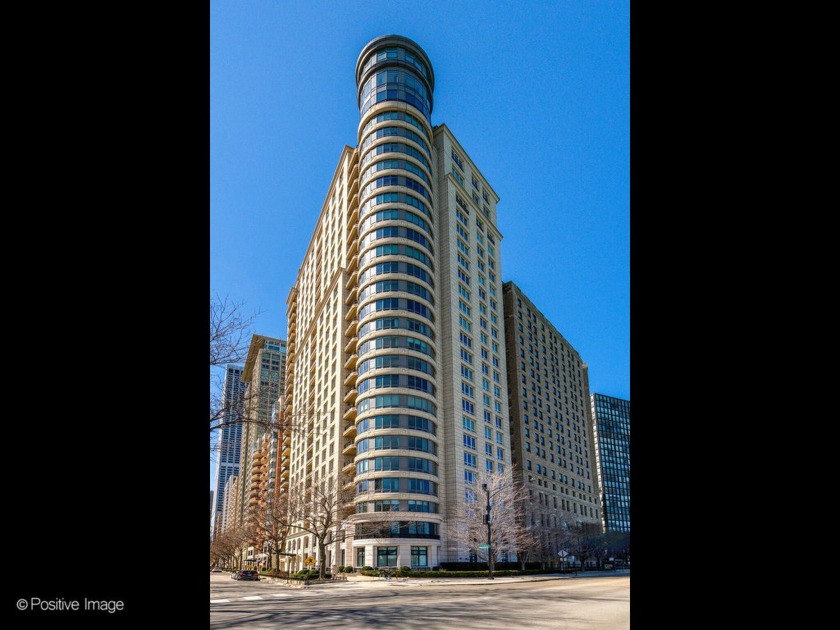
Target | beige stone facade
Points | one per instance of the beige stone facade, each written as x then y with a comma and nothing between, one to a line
550,418
396,376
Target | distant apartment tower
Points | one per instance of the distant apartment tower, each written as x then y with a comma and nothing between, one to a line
551,428
263,377
611,417
230,435
396,360
229,509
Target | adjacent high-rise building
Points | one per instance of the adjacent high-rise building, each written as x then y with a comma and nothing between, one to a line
229,508
230,435
396,378
611,418
550,419
263,376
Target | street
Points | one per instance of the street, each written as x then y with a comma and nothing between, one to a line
590,603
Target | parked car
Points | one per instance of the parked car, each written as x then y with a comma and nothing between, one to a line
246,574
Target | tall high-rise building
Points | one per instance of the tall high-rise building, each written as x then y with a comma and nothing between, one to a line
230,435
551,427
263,376
396,365
229,509
611,418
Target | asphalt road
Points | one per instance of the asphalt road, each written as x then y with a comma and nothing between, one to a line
585,603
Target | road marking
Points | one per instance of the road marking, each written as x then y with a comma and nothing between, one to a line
219,601
251,598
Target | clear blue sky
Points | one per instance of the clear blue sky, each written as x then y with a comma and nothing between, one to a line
537,93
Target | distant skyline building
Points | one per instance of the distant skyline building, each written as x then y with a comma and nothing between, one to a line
230,435
612,439
551,427
396,360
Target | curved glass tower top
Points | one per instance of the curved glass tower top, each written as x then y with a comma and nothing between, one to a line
394,68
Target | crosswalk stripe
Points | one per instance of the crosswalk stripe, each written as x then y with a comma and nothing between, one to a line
219,601
251,598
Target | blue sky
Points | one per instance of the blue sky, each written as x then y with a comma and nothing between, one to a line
537,93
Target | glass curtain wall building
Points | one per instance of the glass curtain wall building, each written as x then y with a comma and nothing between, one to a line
230,437
611,417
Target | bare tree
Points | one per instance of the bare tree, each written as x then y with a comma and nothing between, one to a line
318,506
586,541
229,339
617,545
229,331
227,547
272,524
527,544
506,532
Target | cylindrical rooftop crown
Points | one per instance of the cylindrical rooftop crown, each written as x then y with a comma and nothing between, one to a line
414,79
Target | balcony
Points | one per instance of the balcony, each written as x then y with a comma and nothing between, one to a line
350,381
349,468
351,282
350,398
287,439
352,328
351,345
284,473
353,232
351,297
352,312
350,414
352,248
349,448
353,211
352,264
350,364
354,177
287,451
350,431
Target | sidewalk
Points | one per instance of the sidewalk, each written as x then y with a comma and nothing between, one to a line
356,580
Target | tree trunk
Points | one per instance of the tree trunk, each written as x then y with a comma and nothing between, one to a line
322,557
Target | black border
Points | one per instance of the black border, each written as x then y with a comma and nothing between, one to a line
108,273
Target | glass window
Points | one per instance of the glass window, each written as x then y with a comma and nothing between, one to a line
386,556
419,557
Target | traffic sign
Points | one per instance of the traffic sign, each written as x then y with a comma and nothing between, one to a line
309,561
562,553
484,546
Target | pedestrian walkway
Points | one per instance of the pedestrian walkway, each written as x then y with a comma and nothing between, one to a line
356,581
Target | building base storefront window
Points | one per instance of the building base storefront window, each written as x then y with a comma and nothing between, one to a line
419,557
386,556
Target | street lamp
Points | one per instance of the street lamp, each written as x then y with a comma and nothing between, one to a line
489,544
